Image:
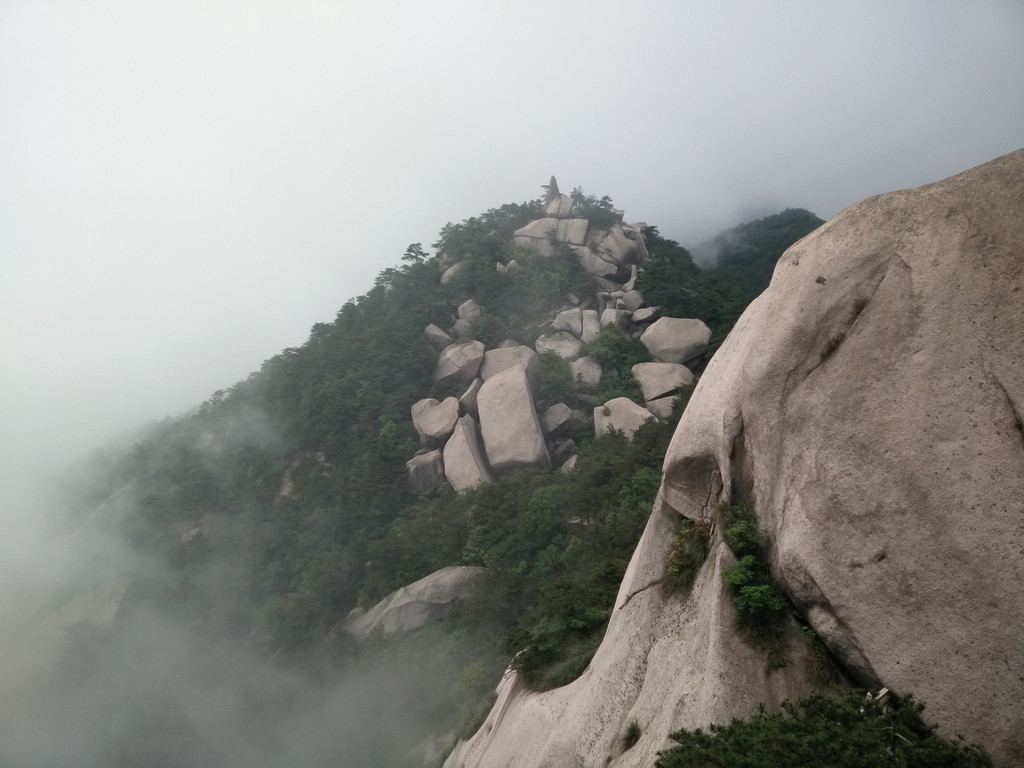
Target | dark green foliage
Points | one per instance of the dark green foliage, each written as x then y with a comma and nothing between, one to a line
598,211
852,732
631,736
688,553
617,353
554,382
760,604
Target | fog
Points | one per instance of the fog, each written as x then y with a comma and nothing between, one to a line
187,187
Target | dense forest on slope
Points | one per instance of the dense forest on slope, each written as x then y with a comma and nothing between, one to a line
282,503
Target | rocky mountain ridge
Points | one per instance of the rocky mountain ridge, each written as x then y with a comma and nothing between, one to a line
869,406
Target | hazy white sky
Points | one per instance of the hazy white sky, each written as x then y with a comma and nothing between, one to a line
186,187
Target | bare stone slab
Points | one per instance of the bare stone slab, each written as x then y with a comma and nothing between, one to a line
508,422
621,415
676,339
433,420
465,465
460,362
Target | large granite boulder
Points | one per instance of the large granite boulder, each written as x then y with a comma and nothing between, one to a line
465,465
660,379
591,326
426,470
417,604
459,362
437,336
586,374
434,420
508,422
676,339
869,406
563,344
570,321
572,231
620,415
556,421
505,357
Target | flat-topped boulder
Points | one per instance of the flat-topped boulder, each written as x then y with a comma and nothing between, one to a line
434,420
660,379
620,415
563,344
465,465
509,425
505,357
676,339
459,362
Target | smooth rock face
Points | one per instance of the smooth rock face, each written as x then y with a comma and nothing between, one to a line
508,422
632,300
563,344
453,272
619,317
869,405
416,604
503,358
591,326
586,374
572,231
675,339
570,321
465,465
660,379
619,414
467,401
460,362
470,310
426,470
556,420
433,420
437,336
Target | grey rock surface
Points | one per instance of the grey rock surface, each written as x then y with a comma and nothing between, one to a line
660,379
459,362
621,415
570,321
508,422
437,336
503,358
556,421
417,604
676,339
467,400
470,310
465,464
868,404
426,470
563,344
586,374
433,420
591,326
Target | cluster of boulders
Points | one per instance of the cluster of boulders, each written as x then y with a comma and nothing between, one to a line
497,424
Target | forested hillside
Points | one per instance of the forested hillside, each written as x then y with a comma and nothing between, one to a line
283,502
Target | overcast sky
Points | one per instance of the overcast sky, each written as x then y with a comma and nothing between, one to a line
186,187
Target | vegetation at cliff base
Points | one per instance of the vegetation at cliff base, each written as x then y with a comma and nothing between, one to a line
856,731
